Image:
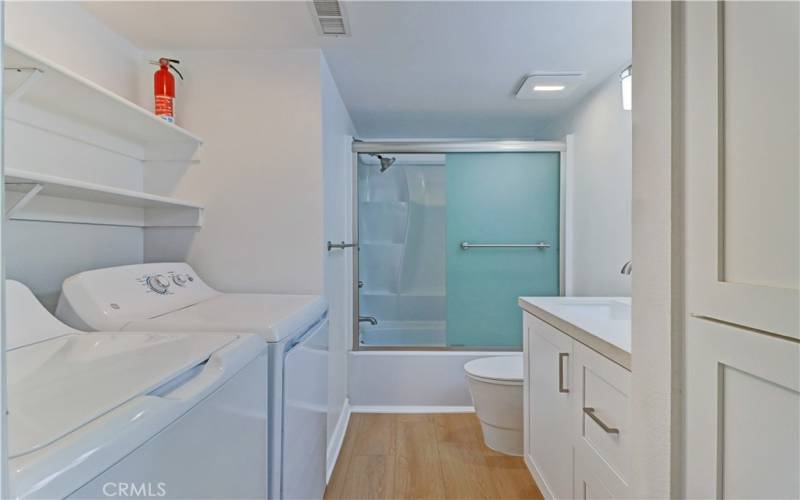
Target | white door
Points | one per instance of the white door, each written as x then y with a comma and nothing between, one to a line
740,133
550,408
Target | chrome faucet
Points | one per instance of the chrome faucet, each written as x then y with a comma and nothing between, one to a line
368,319
626,268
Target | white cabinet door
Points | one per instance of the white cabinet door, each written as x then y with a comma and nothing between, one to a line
549,409
740,127
742,163
743,414
588,485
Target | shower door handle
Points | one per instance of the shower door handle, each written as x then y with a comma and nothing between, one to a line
340,246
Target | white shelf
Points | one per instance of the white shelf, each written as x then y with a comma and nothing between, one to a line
152,210
46,86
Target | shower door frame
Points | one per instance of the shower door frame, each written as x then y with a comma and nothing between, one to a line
443,147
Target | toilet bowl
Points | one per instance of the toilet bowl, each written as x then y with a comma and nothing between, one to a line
496,387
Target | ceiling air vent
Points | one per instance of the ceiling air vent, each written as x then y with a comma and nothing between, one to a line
329,18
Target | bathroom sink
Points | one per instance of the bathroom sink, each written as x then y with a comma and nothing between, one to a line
607,318
615,309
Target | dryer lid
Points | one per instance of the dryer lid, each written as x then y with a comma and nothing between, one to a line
59,385
505,368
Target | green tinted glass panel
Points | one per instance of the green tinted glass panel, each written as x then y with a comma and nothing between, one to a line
499,198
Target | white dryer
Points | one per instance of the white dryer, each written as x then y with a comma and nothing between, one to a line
172,297
94,415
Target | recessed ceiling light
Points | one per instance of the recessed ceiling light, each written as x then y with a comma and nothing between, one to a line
549,85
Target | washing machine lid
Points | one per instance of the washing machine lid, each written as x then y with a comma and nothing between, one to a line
58,385
504,368
272,316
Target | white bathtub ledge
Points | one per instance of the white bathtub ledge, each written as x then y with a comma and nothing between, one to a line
611,339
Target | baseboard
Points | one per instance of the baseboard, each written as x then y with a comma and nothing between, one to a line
335,444
410,409
537,478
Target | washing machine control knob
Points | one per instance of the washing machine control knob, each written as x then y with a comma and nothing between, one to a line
158,283
180,279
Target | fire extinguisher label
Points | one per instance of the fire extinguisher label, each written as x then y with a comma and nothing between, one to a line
164,108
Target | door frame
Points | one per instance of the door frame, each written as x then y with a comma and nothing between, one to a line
443,147
657,308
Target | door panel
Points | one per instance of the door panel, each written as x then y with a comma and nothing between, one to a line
743,413
759,164
742,165
499,198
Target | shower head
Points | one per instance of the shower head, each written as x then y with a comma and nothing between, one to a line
386,161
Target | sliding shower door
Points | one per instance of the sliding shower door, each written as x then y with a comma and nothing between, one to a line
502,242
448,242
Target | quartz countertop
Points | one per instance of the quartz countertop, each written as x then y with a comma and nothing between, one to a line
601,323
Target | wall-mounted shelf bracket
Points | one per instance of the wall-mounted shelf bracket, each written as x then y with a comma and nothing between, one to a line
34,74
20,204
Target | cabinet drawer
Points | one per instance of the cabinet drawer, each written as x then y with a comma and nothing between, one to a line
602,410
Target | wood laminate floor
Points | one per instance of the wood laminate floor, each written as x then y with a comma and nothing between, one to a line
440,456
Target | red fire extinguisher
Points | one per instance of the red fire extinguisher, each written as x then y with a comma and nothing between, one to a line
164,88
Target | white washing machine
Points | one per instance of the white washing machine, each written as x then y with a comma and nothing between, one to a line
172,297
95,415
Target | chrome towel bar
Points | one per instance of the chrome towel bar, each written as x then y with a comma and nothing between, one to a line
465,245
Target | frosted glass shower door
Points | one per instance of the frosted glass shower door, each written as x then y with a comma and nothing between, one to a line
499,198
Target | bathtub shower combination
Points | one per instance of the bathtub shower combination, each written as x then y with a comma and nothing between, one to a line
448,241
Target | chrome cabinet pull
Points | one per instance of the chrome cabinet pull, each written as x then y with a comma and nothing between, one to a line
593,415
561,357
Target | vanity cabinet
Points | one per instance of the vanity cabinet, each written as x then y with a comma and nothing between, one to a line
577,422
549,408
601,436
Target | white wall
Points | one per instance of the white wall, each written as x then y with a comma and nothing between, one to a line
599,185
337,132
43,254
259,175
66,33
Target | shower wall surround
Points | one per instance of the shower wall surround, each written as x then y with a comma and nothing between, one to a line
402,259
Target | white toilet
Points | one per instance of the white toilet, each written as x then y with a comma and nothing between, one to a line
496,387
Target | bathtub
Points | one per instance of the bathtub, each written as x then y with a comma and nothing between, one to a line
411,381
404,334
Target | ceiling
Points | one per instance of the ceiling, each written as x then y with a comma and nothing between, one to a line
433,69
